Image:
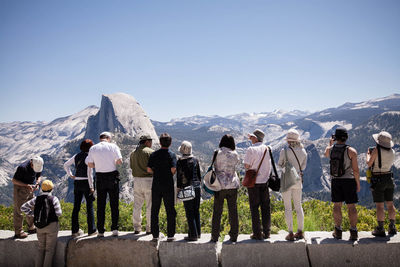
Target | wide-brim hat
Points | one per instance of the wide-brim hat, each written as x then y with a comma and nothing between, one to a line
293,135
259,134
383,139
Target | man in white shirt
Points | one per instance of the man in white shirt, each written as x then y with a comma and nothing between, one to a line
259,194
104,157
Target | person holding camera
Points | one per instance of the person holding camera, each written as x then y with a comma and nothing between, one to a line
345,181
26,180
83,186
380,159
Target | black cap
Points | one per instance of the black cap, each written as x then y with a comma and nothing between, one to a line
340,131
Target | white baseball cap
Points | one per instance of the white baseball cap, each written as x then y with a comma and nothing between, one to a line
37,164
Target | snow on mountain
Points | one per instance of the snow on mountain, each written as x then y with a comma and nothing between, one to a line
19,141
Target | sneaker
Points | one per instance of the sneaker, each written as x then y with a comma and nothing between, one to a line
21,235
155,239
92,233
136,232
290,237
392,229
233,239
170,239
100,235
148,233
379,232
186,238
337,233
32,231
79,233
115,233
353,235
213,240
299,235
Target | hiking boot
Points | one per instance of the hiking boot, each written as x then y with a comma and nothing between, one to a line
337,233
299,235
100,235
392,229
92,233
290,237
353,235
148,233
155,239
266,235
136,232
21,235
115,233
379,231
32,231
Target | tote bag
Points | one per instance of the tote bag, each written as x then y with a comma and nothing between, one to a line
289,175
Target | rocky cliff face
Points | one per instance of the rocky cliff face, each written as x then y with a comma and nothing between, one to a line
120,113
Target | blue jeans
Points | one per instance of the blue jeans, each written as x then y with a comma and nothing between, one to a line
81,188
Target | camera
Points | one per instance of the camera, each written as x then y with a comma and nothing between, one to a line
371,148
333,137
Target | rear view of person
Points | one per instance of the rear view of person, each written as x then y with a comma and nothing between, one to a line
188,173
83,186
380,159
226,163
45,210
162,164
296,156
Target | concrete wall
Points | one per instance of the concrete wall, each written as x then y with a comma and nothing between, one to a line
319,249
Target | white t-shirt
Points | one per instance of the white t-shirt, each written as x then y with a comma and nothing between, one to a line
253,157
104,156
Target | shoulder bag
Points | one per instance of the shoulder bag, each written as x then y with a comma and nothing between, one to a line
211,183
289,175
274,182
188,193
251,175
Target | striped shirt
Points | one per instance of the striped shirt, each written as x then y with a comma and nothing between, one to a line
29,207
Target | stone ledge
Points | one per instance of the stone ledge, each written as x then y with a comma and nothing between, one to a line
183,253
22,252
125,250
275,251
324,250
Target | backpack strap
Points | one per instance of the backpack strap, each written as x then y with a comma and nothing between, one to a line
272,161
214,157
298,162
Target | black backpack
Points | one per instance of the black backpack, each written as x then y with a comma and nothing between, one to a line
337,160
43,215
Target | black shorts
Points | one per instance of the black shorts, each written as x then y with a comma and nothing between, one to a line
344,190
383,190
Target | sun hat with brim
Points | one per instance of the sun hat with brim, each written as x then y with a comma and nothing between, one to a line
145,137
47,186
257,134
293,135
37,164
383,139
108,134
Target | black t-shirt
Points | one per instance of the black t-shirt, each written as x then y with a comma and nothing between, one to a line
26,174
161,162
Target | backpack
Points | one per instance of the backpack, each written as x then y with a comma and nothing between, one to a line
337,160
43,211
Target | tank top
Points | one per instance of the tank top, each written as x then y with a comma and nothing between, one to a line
387,159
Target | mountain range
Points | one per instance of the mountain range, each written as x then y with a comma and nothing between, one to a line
121,114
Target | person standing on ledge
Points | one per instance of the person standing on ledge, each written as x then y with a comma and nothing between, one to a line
105,156
48,232
162,164
26,180
380,159
345,181
82,187
142,183
259,194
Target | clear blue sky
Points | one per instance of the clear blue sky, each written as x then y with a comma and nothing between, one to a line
182,58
